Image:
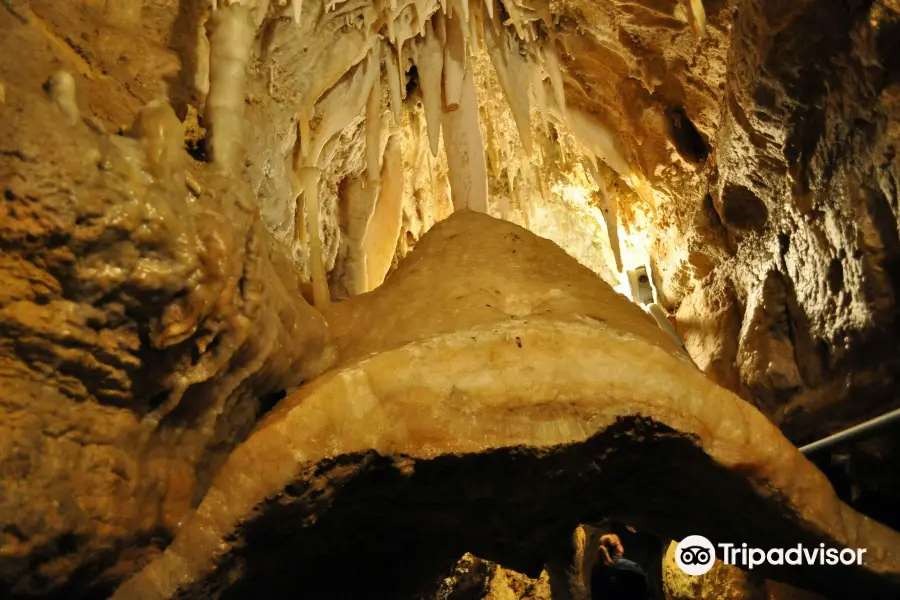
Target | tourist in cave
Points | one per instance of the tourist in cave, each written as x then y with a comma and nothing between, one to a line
616,577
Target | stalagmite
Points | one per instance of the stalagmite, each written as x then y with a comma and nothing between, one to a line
393,76
514,75
359,200
455,60
430,68
162,136
465,150
200,56
61,87
381,235
173,401
230,49
309,177
464,398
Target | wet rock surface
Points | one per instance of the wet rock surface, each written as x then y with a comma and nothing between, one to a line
151,304
142,326
433,428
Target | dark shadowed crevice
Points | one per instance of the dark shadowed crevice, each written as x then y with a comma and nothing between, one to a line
742,209
689,142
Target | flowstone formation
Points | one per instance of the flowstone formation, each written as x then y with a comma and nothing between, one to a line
533,394
195,194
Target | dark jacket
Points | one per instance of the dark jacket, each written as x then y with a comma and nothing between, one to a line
623,580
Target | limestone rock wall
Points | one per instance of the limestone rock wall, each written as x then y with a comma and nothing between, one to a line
152,299
145,312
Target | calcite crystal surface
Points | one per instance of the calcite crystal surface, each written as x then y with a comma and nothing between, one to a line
514,396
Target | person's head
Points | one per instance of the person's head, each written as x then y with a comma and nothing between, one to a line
610,547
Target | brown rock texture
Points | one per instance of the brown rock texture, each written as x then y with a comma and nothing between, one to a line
535,397
151,308
142,324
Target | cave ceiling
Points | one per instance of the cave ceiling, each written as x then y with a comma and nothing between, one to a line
211,209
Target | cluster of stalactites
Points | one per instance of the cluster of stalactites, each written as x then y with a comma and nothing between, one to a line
440,38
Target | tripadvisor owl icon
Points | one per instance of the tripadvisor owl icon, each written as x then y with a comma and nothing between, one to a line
695,555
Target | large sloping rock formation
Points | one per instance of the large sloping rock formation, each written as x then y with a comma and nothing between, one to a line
511,397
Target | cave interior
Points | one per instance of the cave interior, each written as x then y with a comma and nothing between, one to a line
430,299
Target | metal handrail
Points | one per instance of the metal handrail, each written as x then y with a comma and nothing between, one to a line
857,432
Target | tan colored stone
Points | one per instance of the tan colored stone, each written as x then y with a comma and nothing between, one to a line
544,369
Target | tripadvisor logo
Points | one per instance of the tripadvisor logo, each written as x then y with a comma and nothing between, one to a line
695,555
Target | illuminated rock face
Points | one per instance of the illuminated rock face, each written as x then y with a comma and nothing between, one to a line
522,405
148,319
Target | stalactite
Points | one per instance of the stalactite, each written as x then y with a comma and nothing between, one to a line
540,95
464,10
476,27
455,60
430,68
393,75
230,48
343,104
598,139
401,70
609,207
515,17
513,73
465,149
697,15
493,155
551,64
421,15
380,240
373,127
303,131
297,10
300,229
309,177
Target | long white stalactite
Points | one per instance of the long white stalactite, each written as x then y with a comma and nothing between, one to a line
431,68
230,49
